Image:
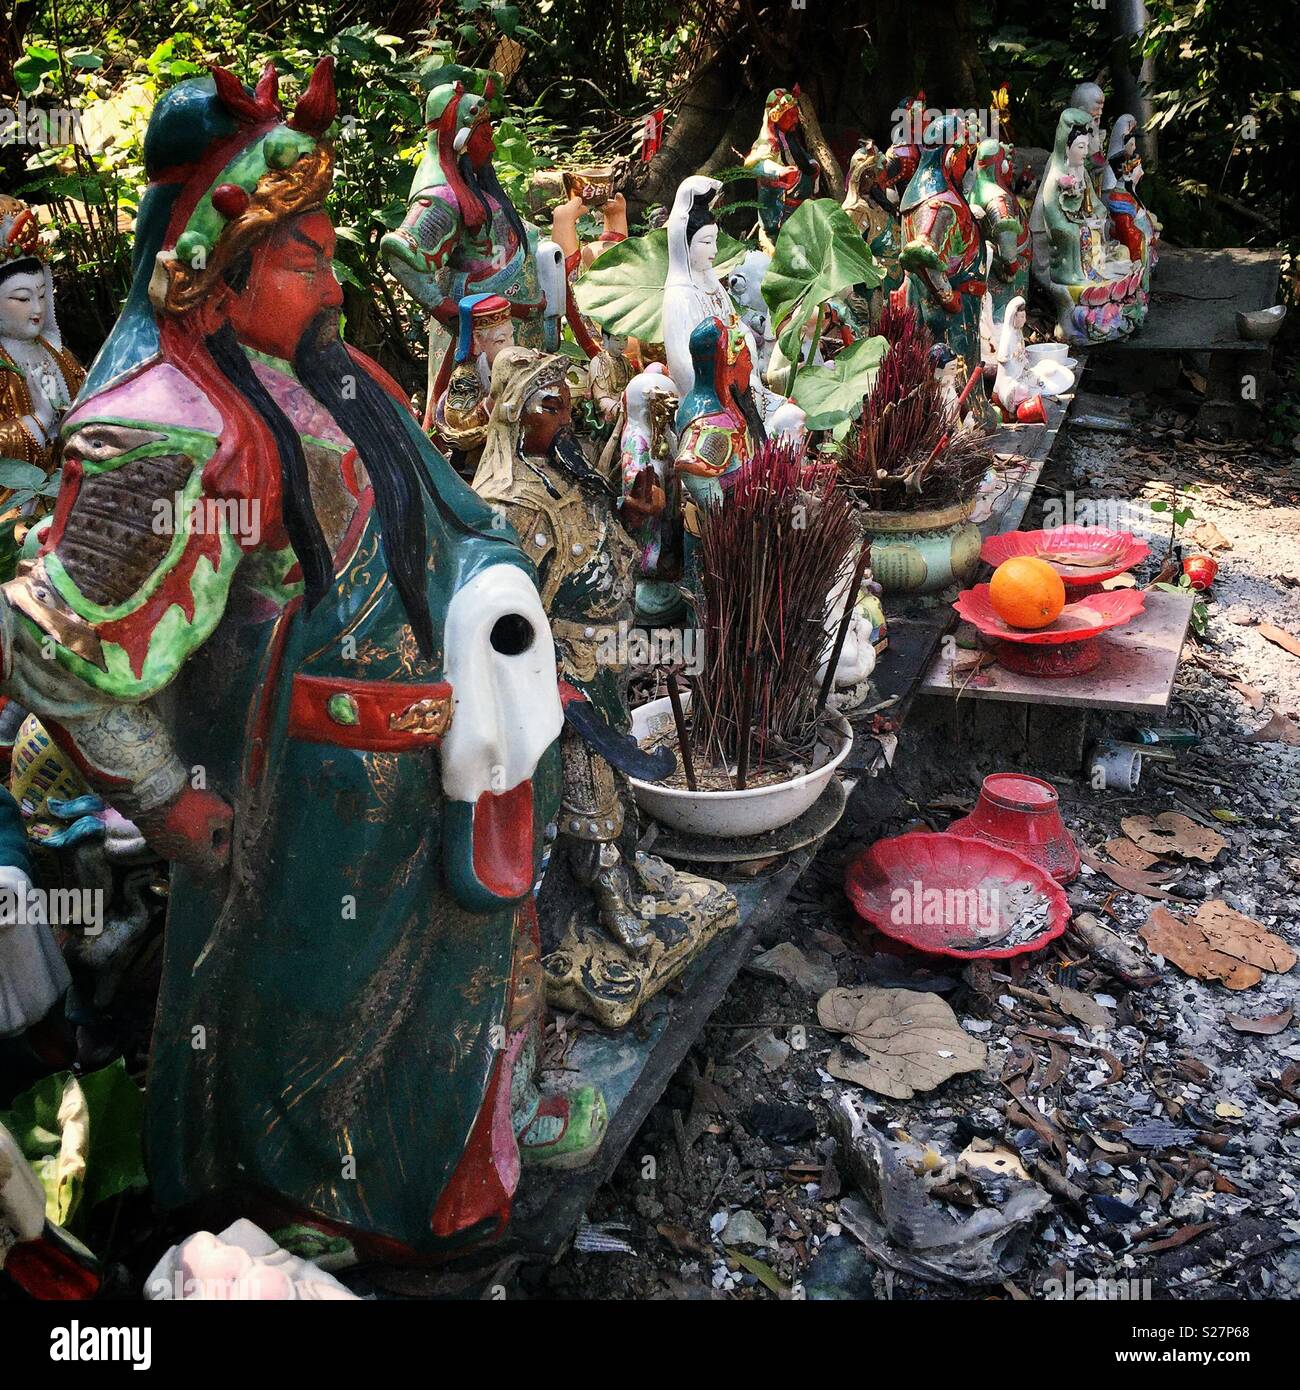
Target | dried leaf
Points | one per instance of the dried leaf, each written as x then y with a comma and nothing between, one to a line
1266,1026
1218,943
1280,638
1130,855
1231,932
1208,537
909,1042
763,1273
1279,729
1140,881
1171,832
1253,697
1179,1237
1079,1006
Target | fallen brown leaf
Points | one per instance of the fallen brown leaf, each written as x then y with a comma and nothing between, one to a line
1218,943
1179,1237
1171,832
1230,931
1208,536
1280,638
1130,855
1134,880
1267,1025
1279,729
1254,698
907,1041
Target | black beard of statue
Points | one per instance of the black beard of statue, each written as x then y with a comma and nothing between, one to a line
566,453
799,155
480,183
749,409
372,420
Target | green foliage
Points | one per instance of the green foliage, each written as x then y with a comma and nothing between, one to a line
831,396
819,255
624,289
81,1136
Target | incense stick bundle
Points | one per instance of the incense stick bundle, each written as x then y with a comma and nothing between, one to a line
769,556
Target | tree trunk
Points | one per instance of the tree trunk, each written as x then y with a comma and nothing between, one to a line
824,47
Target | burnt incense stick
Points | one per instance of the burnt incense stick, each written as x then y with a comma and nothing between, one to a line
683,733
746,722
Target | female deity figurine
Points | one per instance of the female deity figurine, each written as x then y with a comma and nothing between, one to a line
693,293
353,776
1021,384
1089,98
787,174
39,378
1007,236
1095,288
1130,222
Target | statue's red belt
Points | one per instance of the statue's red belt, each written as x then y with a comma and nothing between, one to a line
375,716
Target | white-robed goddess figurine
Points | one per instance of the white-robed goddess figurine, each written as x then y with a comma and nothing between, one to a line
693,293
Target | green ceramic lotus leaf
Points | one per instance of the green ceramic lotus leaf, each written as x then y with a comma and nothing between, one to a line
832,394
624,289
819,254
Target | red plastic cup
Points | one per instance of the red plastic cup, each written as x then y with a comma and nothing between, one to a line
1023,814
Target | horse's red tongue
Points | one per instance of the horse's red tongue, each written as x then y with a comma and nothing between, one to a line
503,841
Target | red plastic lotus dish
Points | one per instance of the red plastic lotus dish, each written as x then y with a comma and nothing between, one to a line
1084,556
953,895
1069,639
1023,814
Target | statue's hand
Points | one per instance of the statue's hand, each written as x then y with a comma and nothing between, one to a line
43,411
193,829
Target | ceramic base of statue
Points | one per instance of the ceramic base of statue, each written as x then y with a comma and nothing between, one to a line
589,973
242,1264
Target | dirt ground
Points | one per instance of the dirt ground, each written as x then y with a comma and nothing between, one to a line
1161,1143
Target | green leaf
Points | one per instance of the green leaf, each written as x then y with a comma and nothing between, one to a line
14,473
87,62
81,1136
819,254
832,394
30,70
624,289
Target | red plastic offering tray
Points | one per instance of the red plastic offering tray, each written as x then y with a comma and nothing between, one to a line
1084,556
953,895
1065,647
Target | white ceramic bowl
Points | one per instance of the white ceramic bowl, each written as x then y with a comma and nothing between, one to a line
1056,352
1054,377
722,815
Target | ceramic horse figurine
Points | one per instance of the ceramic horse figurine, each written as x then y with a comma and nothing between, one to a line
462,235
353,776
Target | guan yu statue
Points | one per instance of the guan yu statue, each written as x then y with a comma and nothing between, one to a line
787,174
461,234
943,253
273,628
649,921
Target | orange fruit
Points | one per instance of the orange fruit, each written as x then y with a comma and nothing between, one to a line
1026,592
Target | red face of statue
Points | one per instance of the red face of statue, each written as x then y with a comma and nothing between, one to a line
550,411
788,119
481,145
292,281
